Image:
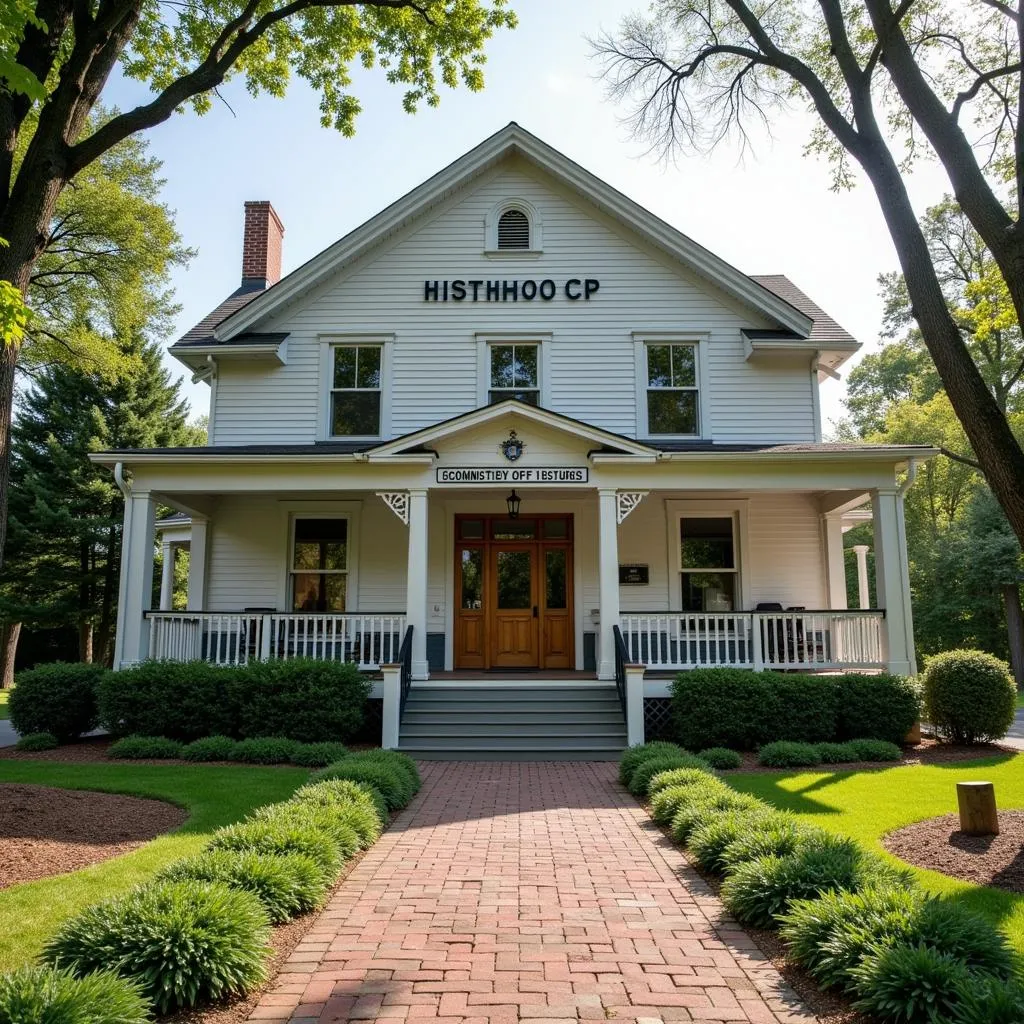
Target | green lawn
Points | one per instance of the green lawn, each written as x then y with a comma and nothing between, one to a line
4,694
1020,698
29,913
868,804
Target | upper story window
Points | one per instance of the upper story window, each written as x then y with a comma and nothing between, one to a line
318,574
672,392
356,391
515,373
513,230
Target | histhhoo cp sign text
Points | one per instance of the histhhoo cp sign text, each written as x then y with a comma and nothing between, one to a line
574,289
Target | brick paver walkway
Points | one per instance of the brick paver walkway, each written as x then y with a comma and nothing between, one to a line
535,892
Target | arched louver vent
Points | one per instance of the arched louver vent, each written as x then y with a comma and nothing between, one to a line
513,230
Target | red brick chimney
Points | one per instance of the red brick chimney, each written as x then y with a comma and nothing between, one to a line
261,249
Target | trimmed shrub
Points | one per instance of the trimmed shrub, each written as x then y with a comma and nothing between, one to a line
986,1001
760,890
788,754
330,792
722,707
311,701
801,708
318,755
210,748
140,748
265,750
43,995
281,837
875,750
392,782
910,985
395,759
777,835
881,707
286,884
644,751
59,698
836,753
712,837
323,819
969,696
695,813
720,758
646,770
182,700
677,777
185,943
37,741
667,802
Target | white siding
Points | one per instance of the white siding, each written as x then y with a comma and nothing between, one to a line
591,360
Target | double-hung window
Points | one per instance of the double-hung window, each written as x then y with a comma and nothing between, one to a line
318,574
672,392
356,391
709,571
514,373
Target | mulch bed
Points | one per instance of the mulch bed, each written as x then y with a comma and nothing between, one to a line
938,844
46,831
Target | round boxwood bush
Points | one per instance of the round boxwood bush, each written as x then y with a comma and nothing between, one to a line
330,792
835,753
632,756
720,758
286,884
37,741
43,995
677,777
788,754
875,750
281,837
646,770
210,748
324,819
318,755
59,698
969,696
265,750
185,943
392,782
139,748
394,759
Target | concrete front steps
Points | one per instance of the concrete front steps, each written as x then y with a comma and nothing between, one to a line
503,720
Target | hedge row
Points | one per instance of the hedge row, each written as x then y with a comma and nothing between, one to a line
262,750
742,710
199,931
307,700
854,920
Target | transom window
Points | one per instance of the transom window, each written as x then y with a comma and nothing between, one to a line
356,391
515,373
673,402
708,571
318,574
513,230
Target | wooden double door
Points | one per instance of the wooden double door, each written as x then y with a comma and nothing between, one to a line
513,592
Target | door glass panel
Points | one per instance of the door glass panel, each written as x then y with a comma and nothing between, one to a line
514,583
471,529
514,529
556,529
472,561
555,591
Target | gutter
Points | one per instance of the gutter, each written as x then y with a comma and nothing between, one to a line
911,477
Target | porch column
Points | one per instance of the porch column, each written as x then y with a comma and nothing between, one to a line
197,564
891,581
608,575
135,594
167,553
863,591
416,586
833,529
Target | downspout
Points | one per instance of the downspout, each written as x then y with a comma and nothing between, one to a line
122,584
901,529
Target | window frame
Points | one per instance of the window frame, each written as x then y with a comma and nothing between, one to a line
738,511
698,342
487,340
491,250
330,342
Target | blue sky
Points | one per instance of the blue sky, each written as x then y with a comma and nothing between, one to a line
765,211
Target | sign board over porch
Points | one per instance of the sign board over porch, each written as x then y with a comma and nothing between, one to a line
513,475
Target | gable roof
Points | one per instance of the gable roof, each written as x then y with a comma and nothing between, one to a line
825,332
515,140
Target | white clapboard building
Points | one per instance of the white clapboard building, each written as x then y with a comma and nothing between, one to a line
512,441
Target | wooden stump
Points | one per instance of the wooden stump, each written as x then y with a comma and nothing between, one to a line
914,736
977,803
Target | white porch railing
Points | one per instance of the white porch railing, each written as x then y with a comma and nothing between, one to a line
810,640
235,638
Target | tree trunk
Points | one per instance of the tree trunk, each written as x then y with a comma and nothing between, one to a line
85,640
1015,630
10,632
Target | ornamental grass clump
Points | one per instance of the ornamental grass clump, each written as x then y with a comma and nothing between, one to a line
633,756
391,781
709,839
286,884
184,943
210,748
37,741
788,754
667,803
318,755
648,769
144,748
395,759
265,750
281,837
323,819
330,792
775,835
43,995
691,815
720,758
678,777
987,1001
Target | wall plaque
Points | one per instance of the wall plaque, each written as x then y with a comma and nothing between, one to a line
634,575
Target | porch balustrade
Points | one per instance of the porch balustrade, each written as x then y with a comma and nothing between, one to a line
810,640
236,638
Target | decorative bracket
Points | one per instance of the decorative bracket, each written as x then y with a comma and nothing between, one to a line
626,501
398,502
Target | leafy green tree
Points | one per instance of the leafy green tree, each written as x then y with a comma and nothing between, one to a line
888,84
57,55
